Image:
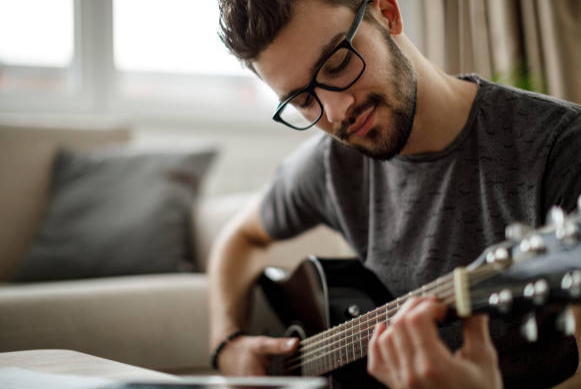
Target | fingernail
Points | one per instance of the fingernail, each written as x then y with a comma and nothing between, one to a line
290,344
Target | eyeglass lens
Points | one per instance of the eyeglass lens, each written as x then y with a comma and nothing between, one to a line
339,71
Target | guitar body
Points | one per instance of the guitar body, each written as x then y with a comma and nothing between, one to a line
320,294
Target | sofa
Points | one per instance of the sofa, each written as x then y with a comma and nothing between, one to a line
158,321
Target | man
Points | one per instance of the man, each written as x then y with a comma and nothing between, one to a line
419,170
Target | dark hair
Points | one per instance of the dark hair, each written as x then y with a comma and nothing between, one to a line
248,26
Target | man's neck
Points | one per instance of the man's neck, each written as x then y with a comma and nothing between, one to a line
443,104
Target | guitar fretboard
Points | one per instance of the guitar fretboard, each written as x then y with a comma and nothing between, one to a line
347,342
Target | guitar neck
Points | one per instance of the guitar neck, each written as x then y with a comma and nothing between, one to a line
530,270
347,342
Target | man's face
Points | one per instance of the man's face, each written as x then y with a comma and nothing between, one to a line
375,115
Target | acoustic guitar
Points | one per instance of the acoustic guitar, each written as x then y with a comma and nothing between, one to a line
333,305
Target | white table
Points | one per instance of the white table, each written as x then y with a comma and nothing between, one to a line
79,364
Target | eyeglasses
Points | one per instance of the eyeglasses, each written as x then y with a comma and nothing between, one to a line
338,72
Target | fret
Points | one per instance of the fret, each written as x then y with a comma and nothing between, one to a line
322,356
319,362
325,354
347,345
358,342
351,340
342,348
330,350
355,338
338,347
364,334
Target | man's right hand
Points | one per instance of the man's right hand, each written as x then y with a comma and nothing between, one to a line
251,355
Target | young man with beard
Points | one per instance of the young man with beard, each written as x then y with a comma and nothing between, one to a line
420,171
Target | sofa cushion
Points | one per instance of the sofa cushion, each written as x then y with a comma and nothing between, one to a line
117,212
26,155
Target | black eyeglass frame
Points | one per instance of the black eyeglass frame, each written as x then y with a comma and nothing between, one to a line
347,43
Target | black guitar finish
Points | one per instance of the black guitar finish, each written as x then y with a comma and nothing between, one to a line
322,293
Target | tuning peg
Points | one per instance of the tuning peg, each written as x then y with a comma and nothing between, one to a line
501,300
568,232
579,204
532,245
517,231
529,328
571,282
538,291
556,216
566,321
500,255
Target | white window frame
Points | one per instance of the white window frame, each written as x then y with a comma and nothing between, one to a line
94,86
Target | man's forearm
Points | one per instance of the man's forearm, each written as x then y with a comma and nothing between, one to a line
234,264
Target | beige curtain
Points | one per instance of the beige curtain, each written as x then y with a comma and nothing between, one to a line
532,44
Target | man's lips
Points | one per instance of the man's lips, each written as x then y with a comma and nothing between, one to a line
363,124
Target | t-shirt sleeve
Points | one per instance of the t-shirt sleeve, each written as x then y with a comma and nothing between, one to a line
296,199
563,175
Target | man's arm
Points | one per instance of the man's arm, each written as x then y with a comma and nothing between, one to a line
234,264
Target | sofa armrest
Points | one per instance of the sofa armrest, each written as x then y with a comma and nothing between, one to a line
154,321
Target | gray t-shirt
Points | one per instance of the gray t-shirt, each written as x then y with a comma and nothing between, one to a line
414,218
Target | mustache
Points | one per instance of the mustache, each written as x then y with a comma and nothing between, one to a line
371,100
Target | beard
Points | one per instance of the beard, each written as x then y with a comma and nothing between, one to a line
388,139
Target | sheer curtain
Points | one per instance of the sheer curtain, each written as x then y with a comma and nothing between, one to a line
532,44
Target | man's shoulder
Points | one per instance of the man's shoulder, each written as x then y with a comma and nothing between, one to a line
530,116
526,101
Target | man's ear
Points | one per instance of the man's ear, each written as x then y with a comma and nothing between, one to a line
389,11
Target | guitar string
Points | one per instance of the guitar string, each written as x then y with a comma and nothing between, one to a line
450,299
310,342
343,327
366,316
447,300
398,301
382,317
436,283
475,278
381,312
362,351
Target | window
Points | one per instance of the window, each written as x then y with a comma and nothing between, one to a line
36,46
168,51
170,36
134,58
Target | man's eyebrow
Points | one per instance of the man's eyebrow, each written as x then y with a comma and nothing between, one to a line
327,49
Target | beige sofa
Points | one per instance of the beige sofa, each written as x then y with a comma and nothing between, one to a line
156,321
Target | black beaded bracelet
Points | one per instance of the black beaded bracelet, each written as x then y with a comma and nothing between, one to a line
222,344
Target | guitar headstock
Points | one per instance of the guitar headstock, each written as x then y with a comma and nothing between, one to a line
533,270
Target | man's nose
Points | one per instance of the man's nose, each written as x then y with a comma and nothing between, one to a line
335,104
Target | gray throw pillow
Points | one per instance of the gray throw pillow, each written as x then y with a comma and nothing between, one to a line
117,212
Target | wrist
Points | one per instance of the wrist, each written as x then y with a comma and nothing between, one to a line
230,337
